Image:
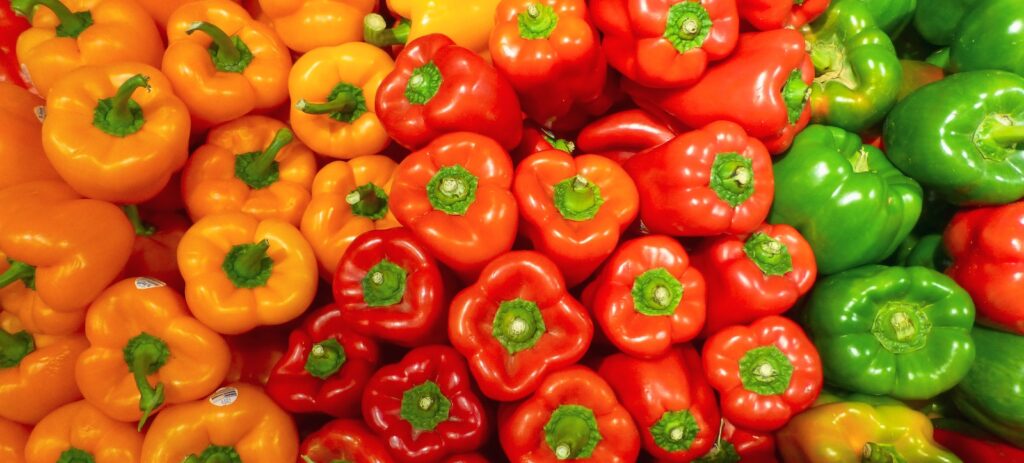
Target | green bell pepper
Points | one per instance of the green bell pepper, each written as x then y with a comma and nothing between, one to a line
892,16
991,393
844,197
990,37
922,251
857,73
938,20
904,332
963,136
910,45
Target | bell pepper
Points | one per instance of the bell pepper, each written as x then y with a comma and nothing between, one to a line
621,135
857,72
845,198
902,332
551,54
438,87
344,440
972,444
891,16
467,458
574,209
335,106
252,357
12,441
671,402
389,287
69,34
234,65
469,24
767,15
36,316
938,21
706,182
305,25
921,251
988,37
331,222
425,406
37,372
454,196
734,444
65,249
11,26
325,367
755,275
80,432
536,139
762,86
236,423
517,323
241,272
648,297
146,351
249,165
917,74
961,135
21,152
765,373
990,393
574,415
663,43
155,251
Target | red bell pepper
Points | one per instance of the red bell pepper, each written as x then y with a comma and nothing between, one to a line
972,445
252,357
755,275
389,287
467,458
706,182
550,53
425,406
155,252
454,196
734,444
537,139
574,209
666,43
669,399
988,261
574,415
648,297
517,324
621,135
777,14
11,26
438,87
344,440
765,372
763,86
325,367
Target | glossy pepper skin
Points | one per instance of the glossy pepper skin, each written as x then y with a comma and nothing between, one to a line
621,135
902,332
988,394
846,199
325,367
34,315
80,430
767,15
970,159
37,373
666,44
12,441
305,25
705,182
917,74
551,54
573,209
454,196
69,34
248,71
116,132
670,401
766,372
146,351
972,444
425,406
517,323
736,444
851,432
334,95
891,16
647,298
735,90
438,87
573,415
330,223
986,38
21,153
11,26
155,251
938,21
536,139
389,287
237,423
468,24
252,357
922,251
241,272
344,440
251,165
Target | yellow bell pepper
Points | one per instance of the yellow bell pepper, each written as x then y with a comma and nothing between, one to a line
79,432
307,24
12,441
469,24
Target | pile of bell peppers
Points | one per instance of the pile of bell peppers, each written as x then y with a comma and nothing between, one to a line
448,231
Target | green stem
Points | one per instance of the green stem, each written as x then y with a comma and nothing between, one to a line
452,190
901,327
215,454
732,178
880,453
687,26
73,455
141,228
537,22
577,199
656,293
376,32
560,144
120,115
345,103
518,325
368,200
1008,134
340,104
260,169
325,358
226,49
794,94
145,354
18,271
15,347
769,254
424,82
384,284
248,265
572,432
425,406
765,371
675,431
71,24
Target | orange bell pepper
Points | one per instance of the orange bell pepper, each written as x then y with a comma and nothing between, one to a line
110,141
12,441
469,24
141,333
69,34
160,10
21,150
241,272
155,250
238,423
35,315
334,93
308,24
80,433
349,199
249,165
236,65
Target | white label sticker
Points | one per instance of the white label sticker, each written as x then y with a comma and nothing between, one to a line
224,396
40,112
148,283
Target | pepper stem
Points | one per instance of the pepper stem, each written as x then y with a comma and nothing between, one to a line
577,199
145,354
769,254
1008,134
376,32
572,432
518,325
424,82
141,228
18,271
880,453
765,371
687,26
452,190
325,358
656,293
901,327
226,50
368,200
340,104
675,431
560,144
537,22
424,407
215,454
14,347
73,455
260,169
732,178
794,94
71,24
384,284
248,265
120,115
